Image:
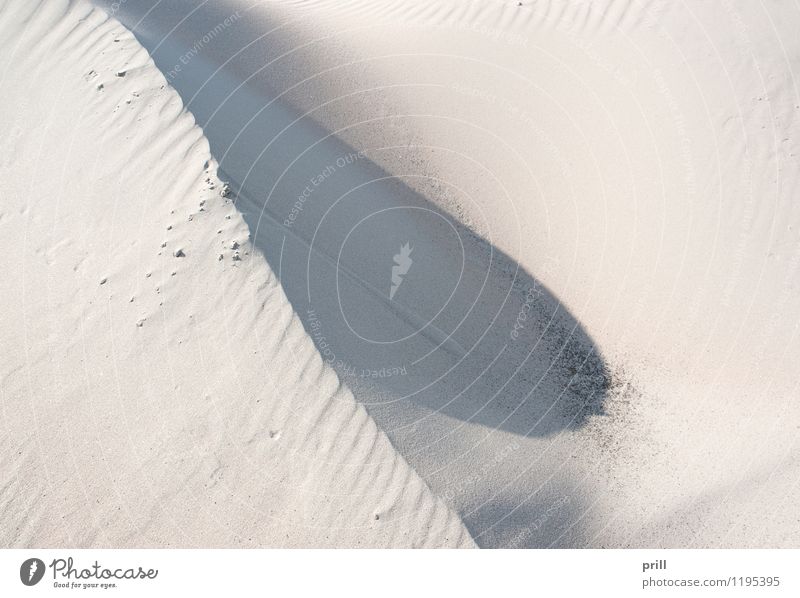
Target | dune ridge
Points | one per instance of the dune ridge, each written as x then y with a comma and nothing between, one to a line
157,388
593,208
635,163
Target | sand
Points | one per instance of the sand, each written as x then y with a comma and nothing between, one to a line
523,275
157,388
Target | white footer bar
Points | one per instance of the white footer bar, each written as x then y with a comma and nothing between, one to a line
380,574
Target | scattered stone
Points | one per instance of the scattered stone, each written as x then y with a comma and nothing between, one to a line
179,253
140,323
164,244
104,281
100,86
234,245
169,227
121,73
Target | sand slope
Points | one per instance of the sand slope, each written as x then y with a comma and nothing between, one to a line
157,388
622,173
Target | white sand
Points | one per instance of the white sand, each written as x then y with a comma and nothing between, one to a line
594,344
149,399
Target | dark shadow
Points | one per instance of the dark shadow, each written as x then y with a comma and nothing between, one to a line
468,332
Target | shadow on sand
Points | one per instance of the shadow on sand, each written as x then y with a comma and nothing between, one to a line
416,312
398,295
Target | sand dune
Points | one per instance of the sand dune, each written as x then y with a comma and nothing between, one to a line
157,388
549,248
609,168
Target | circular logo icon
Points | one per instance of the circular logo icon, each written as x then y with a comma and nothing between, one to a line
31,572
